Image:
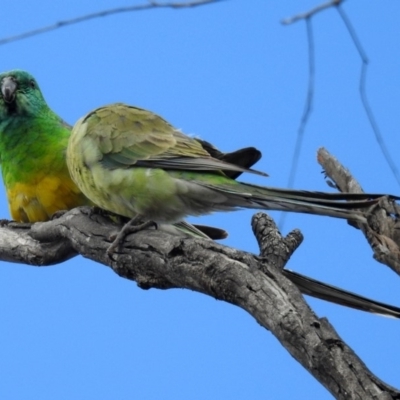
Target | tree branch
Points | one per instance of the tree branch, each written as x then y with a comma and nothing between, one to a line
363,93
383,230
156,260
308,107
105,13
310,13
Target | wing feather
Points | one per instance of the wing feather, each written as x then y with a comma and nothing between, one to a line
129,136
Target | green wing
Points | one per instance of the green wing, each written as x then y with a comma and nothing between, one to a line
129,136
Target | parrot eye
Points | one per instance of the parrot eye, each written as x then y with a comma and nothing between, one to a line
32,84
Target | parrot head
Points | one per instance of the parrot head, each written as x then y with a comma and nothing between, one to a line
20,95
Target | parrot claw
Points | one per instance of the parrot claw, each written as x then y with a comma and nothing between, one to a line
129,228
58,214
14,224
100,211
4,222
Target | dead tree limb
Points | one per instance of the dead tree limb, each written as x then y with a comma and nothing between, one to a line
156,260
383,229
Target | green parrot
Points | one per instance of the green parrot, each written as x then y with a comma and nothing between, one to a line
39,185
33,142
134,163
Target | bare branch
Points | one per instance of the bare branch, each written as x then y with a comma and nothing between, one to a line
308,14
382,231
362,86
16,245
363,94
306,113
273,246
156,260
105,13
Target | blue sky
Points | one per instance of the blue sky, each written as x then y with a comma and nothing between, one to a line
231,74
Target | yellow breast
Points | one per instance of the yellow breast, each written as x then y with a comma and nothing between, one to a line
39,200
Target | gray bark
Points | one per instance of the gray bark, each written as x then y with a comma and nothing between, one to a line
156,260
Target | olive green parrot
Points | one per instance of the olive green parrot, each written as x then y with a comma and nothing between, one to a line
134,163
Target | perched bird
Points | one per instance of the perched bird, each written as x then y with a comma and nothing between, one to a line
132,162
33,142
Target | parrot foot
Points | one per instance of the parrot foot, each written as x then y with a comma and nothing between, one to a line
129,228
99,211
58,214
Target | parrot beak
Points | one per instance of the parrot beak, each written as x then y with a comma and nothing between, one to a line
8,88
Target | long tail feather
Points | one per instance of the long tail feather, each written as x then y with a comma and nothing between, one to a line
336,295
243,195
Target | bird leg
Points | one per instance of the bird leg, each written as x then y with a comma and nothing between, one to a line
58,214
129,227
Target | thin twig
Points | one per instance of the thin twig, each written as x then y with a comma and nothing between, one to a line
306,113
363,94
105,13
308,14
309,100
308,106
